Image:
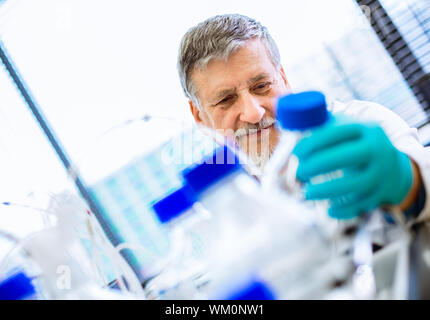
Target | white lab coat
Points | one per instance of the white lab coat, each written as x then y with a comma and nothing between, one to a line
401,135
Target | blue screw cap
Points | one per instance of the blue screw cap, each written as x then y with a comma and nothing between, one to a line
302,111
215,167
255,290
174,204
16,287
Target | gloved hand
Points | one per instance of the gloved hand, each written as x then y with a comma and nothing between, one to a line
374,172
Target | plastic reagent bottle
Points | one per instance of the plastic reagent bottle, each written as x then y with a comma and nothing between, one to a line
297,115
250,226
225,189
187,225
255,231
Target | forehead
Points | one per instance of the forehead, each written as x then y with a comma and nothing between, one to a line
249,61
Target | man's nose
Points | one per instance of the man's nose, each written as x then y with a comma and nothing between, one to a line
252,111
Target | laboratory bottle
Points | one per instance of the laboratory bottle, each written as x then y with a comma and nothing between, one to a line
187,223
252,227
305,269
306,273
232,197
297,115
255,229
221,187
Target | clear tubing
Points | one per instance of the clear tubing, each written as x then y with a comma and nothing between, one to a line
119,262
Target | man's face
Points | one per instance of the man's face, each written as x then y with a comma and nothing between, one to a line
238,98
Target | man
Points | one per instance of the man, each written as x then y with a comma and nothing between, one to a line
230,71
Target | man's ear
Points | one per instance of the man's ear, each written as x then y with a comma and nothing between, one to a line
195,112
284,78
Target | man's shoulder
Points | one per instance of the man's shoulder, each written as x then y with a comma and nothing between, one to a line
368,111
358,108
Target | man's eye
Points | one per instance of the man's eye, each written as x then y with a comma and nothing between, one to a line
262,87
224,101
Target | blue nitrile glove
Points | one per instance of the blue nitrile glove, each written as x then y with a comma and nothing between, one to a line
374,172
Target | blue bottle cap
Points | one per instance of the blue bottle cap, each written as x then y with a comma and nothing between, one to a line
215,167
16,287
174,204
302,111
254,290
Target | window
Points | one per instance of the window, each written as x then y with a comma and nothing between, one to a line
403,28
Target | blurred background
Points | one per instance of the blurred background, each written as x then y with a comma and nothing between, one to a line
91,65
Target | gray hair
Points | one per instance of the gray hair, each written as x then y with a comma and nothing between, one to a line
218,37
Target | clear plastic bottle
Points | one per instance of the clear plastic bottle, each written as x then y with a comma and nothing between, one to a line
225,189
305,274
179,275
297,115
256,231
299,267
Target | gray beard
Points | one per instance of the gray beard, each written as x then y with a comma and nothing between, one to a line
257,158
260,159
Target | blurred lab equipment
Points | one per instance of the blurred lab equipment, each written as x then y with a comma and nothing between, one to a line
252,233
58,263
